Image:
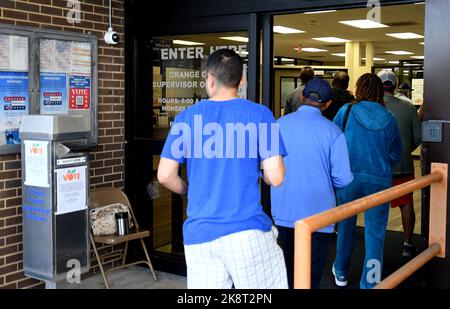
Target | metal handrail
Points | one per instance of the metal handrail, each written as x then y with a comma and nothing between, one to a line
304,228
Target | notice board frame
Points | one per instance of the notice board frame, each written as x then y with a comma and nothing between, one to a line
34,36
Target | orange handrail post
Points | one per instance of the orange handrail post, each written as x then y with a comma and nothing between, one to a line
302,254
438,205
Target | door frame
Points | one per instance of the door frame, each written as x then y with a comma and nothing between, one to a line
259,24
136,144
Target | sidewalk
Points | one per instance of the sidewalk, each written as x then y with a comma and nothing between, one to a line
131,278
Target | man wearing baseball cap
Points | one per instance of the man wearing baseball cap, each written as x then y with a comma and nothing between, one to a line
317,162
411,133
404,92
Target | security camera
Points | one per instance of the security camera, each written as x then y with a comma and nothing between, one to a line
111,37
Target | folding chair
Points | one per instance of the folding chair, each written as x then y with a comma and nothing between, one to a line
106,196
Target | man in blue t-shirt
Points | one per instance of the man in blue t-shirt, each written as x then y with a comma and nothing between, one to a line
225,141
317,162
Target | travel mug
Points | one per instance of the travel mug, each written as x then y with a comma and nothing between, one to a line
122,223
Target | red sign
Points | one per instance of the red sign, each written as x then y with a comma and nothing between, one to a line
79,98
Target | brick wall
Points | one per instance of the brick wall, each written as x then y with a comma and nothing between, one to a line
107,159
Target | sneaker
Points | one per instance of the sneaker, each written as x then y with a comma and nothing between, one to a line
408,250
340,281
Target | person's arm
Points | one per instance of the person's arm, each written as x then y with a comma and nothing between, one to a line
288,105
172,156
421,112
272,160
273,171
341,173
395,153
169,178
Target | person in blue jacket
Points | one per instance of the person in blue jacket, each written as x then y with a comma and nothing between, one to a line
374,146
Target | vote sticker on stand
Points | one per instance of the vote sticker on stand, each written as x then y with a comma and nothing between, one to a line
79,92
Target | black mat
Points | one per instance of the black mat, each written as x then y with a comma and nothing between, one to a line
393,260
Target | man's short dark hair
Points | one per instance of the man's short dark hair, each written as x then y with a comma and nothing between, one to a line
341,80
388,86
226,66
306,75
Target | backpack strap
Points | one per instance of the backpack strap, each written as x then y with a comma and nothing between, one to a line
347,115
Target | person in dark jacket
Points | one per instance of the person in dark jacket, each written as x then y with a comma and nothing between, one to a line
340,96
294,100
411,132
374,146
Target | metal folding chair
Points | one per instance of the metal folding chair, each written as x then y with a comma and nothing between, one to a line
106,196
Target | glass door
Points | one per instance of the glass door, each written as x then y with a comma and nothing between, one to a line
178,70
171,78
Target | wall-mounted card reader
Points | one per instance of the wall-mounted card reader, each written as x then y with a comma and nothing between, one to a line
432,131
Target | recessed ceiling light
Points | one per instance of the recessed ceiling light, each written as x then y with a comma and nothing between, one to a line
244,52
339,54
312,50
423,43
363,24
287,59
286,30
405,35
376,59
418,57
399,52
394,62
320,12
188,43
235,38
331,39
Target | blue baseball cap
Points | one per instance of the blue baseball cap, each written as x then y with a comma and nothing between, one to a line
405,86
318,90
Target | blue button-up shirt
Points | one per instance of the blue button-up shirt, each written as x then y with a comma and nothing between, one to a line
317,162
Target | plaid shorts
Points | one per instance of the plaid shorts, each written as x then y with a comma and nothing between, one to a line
250,259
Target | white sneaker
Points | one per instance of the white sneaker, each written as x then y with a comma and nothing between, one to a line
341,282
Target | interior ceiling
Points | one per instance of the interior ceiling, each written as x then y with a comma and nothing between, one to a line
401,18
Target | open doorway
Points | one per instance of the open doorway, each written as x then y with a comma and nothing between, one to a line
345,40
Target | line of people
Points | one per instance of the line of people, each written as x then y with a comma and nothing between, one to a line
313,165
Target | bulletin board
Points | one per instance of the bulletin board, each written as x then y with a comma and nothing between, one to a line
45,72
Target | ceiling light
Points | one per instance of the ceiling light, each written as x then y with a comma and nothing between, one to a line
286,30
363,24
405,35
376,59
320,12
235,38
394,62
312,50
287,59
418,57
423,43
399,52
339,55
331,39
189,43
